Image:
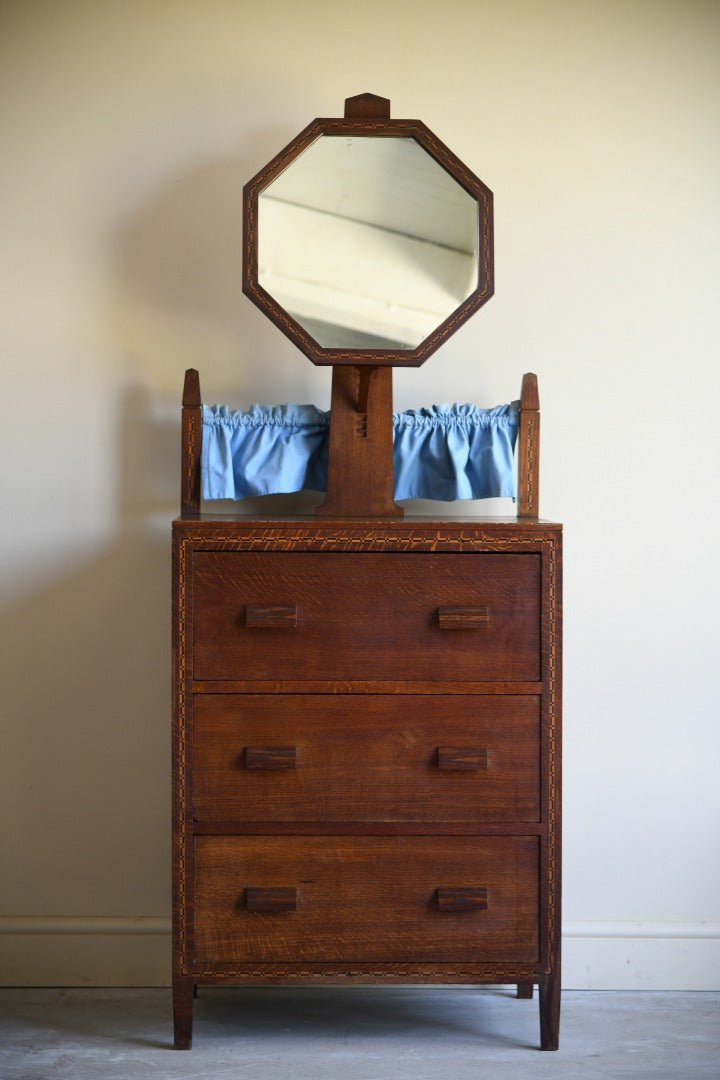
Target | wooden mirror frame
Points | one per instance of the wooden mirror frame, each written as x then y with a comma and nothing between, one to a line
360,481
368,115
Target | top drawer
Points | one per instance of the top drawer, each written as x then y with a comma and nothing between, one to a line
365,616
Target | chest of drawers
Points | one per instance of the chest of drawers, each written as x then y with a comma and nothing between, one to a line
366,754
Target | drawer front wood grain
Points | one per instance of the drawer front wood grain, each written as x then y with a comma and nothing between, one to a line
366,758
367,898
360,616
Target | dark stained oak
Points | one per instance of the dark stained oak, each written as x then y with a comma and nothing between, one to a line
464,618
529,449
366,707
550,1008
463,758
366,614
271,616
191,443
362,898
345,758
360,478
270,900
270,757
368,115
398,784
462,898
366,742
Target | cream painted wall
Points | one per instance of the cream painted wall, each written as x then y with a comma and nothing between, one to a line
127,131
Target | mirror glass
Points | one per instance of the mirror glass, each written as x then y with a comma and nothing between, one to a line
367,241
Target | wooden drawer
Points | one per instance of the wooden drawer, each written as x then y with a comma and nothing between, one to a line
365,616
312,757
326,898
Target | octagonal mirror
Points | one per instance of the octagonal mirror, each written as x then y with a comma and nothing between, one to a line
368,242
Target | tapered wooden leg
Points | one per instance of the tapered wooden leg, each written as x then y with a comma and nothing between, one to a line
525,990
182,1011
550,1011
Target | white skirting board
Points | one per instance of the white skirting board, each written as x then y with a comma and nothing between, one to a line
76,951
72,951
641,956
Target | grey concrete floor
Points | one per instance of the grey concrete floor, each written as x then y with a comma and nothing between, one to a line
356,1033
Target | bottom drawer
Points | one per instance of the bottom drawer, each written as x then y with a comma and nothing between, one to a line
330,898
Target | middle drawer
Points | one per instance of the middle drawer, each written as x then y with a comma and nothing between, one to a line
334,757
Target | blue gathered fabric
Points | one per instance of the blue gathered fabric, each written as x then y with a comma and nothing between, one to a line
442,452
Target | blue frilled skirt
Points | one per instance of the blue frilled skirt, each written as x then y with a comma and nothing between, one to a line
443,452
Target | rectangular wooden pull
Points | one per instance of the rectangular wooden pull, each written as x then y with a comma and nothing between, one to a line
271,616
463,898
270,757
463,618
462,758
270,900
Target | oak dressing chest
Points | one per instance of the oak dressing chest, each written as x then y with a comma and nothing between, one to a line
366,722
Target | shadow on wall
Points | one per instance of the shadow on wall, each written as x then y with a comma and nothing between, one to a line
87,691
177,290
87,657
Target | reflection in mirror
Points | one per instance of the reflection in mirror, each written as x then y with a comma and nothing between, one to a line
368,242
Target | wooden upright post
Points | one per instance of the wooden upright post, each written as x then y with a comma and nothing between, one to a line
191,444
528,496
360,452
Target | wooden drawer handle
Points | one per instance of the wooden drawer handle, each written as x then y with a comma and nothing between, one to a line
463,618
462,898
270,900
270,757
271,616
462,758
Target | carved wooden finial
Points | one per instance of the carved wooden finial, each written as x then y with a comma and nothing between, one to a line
529,397
367,107
191,388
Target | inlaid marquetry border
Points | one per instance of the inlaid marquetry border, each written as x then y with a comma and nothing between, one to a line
357,972
528,496
191,423
349,536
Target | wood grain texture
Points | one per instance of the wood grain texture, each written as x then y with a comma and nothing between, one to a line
270,757
371,725
270,901
461,898
191,444
367,759
464,618
271,616
367,898
467,758
368,614
550,1008
528,453
368,106
360,476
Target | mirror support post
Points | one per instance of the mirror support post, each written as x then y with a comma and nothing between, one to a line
361,477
